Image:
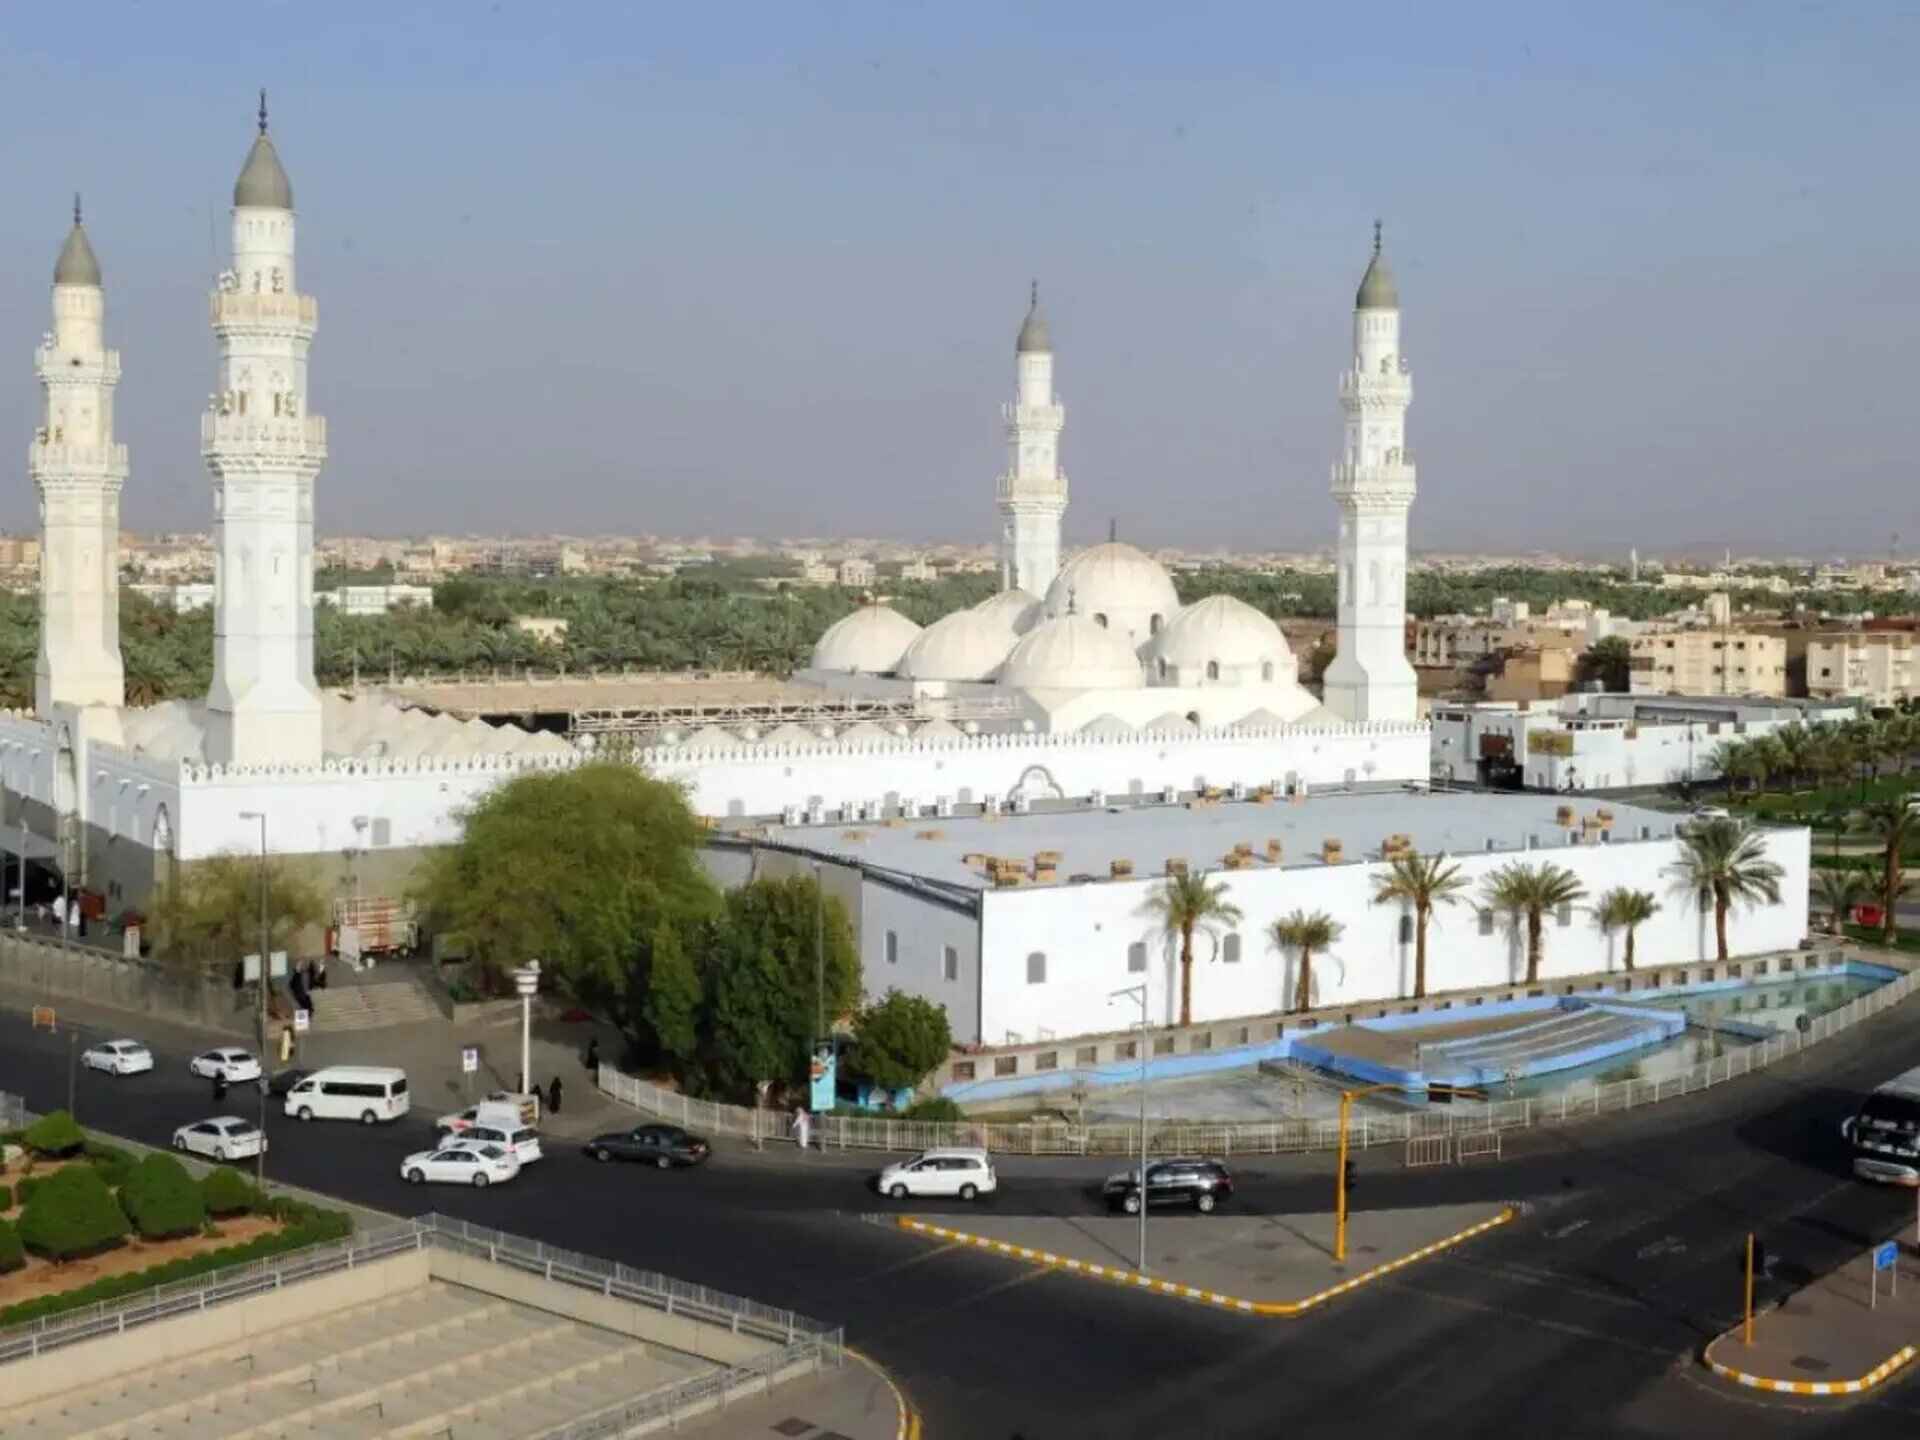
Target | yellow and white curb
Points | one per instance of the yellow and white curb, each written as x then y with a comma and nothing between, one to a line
1867,1381
908,1427
1189,1292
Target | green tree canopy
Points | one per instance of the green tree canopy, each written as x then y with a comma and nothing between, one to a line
162,1199
72,1213
572,868
210,914
899,1039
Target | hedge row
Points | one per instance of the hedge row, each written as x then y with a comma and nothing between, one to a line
305,1225
12,1253
72,1213
162,1200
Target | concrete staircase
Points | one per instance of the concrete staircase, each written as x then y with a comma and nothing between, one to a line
408,1367
363,1002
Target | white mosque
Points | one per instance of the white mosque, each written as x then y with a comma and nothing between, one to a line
1075,683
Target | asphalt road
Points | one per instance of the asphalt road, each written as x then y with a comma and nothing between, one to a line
1584,1318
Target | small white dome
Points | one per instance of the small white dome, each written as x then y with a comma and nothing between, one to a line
1172,725
1072,653
870,641
1221,641
1106,727
1015,609
1117,587
966,645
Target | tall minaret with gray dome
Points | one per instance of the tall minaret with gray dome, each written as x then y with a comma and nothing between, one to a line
1033,491
1373,486
264,452
78,468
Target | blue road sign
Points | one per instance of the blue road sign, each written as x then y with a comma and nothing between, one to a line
1884,1256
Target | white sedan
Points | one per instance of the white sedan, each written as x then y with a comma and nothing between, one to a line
478,1165
225,1137
118,1057
236,1065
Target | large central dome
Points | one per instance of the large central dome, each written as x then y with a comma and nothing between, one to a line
1117,587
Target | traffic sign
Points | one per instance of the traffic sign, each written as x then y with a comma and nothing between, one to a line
469,1060
302,1019
1886,1256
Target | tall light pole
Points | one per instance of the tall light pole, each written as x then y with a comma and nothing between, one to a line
266,969
526,981
1140,990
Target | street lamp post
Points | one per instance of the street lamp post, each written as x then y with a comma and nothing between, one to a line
526,981
1140,990
266,969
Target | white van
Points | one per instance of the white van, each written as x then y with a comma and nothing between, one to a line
513,1137
350,1092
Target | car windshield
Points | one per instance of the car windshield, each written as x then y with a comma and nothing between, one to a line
1890,1114
240,1127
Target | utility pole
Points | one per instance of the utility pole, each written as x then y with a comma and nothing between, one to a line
266,970
1141,991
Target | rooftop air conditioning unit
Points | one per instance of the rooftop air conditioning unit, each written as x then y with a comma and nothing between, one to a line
816,813
1097,798
1237,790
990,805
792,815
909,808
1022,805
1170,795
943,806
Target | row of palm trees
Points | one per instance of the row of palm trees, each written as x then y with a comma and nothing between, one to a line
1723,864
1822,753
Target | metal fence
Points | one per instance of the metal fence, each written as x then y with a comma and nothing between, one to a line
1367,1128
795,1341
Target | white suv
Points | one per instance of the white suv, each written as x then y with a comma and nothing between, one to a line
965,1173
520,1142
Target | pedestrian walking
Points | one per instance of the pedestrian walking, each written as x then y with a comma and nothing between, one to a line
593,1055
219,1086
802,1127
553,1096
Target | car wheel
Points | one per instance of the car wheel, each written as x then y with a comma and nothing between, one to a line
480,1182
662,1162
1203,1202
367,1117
1131,1204
219,1152
969,1192
306,1113
899,1191
601,1155
180,1142
417,1176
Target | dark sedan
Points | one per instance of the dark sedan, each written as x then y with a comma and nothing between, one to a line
285,1080
662,1146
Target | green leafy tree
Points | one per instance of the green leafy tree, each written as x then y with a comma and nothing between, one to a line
1184,905
1525,893
1623,908
162,1199
1724,863
1895,827
1420,882
758,967
1306,933
53,1135
674,997
72,1213
227,1192
572,868
1839,889
1610,661
210,914
899,1039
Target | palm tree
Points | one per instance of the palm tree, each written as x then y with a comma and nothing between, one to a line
1305,933
1839,889
1724,863
1623,909
1893,825
1421,881
1732,761
1184,904
1528,892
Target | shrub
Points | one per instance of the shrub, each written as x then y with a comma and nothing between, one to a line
24,1187
72,1213
939,1109
162,1199
226,1192
114,1164
6,1197
12,1253
53,1135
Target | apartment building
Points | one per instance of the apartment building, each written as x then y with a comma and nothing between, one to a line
1709,662
1877,666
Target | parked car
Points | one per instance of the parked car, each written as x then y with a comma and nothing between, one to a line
236,1065
1199,1183
118,1057
284,1080
225,1137
518,1141
477,1165
966,1173
662,1146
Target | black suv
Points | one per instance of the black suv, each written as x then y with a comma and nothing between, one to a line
1199,1183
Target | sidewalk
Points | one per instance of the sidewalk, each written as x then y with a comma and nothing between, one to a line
1826,1339
855,1402
1257,1264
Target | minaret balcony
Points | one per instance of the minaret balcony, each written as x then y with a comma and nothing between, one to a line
239,432
1390,483
1037,489
49,455
1033,417
1370,389
232,310
55,366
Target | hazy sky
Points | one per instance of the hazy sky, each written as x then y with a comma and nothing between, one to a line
758,268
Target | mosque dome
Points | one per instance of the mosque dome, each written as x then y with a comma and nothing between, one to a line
1072,652
1117,587
1220,641
966,645
1013,609
77,264
870,641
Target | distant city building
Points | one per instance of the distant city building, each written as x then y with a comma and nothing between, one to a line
1877,666
375,599
921,570
1709,662
856,573
547,629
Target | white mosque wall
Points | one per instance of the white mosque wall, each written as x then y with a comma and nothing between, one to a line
1085,931
833,776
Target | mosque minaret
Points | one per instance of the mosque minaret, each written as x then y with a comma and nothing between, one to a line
264,451
78,469
1373,486
1033,492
